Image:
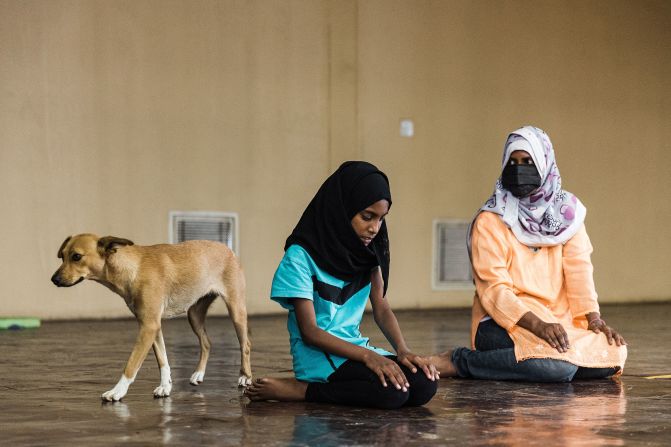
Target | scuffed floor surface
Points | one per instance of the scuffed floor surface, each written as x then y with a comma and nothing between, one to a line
51,379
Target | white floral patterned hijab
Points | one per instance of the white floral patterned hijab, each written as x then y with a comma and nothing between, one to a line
549,216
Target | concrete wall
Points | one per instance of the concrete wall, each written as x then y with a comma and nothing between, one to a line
113,113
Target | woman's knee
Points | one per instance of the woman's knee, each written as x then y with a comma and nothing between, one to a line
550,370
390,398
421,390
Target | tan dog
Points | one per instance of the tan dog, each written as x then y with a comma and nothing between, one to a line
161,281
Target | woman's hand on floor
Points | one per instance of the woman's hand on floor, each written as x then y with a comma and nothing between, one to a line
597,325
386,369
414,361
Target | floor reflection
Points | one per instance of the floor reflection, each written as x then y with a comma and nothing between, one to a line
304,424
581,413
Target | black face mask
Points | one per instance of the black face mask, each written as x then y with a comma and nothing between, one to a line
520,180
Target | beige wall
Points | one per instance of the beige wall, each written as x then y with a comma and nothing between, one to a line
595,75
113,113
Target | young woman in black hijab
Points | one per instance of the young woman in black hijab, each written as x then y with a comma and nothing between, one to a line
336,259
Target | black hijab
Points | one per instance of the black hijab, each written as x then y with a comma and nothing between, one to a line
325,228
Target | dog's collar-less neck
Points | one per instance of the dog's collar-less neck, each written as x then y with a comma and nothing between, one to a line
109,285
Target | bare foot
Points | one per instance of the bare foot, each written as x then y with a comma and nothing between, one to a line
269,388
443,363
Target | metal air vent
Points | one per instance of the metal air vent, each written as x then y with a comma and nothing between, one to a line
208,225
452,268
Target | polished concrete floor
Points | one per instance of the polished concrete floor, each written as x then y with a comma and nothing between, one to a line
51,379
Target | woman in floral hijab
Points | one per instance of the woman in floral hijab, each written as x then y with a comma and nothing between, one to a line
535,313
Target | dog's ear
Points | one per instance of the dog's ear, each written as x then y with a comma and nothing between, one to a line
60,250
108,244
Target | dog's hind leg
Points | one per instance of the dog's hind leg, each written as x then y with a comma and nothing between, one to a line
163,390
237,310
196,315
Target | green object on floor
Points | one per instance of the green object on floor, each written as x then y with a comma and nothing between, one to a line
19,323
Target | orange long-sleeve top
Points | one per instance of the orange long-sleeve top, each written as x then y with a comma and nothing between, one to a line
555,283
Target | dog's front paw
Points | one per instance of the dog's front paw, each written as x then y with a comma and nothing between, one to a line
114,394
244,381
197,378
119,390
163,390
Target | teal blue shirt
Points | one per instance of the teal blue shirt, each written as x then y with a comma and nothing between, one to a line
339,307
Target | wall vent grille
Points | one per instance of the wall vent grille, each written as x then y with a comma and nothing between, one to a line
208,225
452,267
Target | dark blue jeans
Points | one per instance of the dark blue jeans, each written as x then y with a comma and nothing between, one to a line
494,359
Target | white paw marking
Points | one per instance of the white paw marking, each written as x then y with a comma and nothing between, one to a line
119,390
197,378
163,390
244,381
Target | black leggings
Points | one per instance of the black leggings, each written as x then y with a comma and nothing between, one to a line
356,385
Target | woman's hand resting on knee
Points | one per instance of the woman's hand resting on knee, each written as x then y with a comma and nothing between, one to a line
385,369
553,333
414,361
597,325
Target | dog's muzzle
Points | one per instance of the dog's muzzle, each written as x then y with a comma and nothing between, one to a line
56,279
